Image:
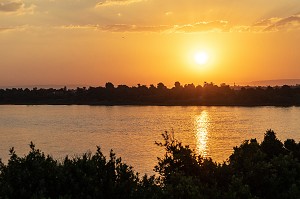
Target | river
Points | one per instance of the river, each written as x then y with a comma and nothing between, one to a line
132,130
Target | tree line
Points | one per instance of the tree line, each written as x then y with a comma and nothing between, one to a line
189,94
266,170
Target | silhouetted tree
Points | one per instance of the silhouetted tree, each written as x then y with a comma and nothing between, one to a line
177,85
109,85
208,94
161,86
271,145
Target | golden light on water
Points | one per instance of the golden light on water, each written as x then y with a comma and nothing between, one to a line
201,125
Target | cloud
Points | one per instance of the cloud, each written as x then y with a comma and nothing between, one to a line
213,26
266,25
276,24
118,28
12,6
273,24
16,7
262,26
79,27
240,29
186,28
16,28
266,22
288,23
5,29
210,26
116,2
134,28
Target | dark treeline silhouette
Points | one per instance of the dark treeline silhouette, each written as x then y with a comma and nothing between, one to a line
266,170
189,94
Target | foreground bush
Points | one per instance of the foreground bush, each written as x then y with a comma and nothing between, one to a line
88,176
270,169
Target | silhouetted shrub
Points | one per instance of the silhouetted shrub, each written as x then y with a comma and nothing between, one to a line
266,170
88,176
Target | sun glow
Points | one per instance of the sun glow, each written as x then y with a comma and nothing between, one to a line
200,58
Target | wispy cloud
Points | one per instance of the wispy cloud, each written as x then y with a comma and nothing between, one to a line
263,26
17,7
273,24
5,29
240,29
266,22
70,27
186,28
267,25
116,2
16,28
11,6
288,23
211,26
134,28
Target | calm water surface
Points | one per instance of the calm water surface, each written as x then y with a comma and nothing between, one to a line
132,130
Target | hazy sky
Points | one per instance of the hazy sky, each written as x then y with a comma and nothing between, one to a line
91,42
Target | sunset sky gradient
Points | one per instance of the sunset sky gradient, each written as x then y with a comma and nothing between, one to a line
91,42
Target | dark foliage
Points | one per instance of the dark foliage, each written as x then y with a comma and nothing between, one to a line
266,170
88,176
189,94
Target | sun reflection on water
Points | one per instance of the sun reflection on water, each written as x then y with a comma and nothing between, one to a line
201,125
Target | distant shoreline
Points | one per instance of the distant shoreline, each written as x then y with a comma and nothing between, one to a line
135,104
180,95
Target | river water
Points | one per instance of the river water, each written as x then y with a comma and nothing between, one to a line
132,130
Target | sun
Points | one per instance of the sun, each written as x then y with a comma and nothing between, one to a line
201,58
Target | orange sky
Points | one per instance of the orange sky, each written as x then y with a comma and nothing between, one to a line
64,42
